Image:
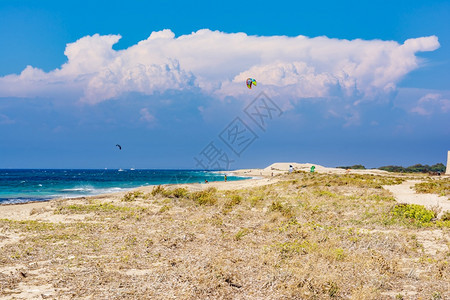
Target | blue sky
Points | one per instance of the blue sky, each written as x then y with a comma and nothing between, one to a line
78,77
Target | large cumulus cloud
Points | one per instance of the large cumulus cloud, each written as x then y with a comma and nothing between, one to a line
218,63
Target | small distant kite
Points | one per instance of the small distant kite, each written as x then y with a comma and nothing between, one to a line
250,82
118,146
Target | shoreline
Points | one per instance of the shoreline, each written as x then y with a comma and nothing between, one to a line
24,211
36,199
258,177
184,239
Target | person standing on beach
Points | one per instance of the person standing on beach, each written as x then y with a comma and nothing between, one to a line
225,178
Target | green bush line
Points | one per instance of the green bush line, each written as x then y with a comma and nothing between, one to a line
417,168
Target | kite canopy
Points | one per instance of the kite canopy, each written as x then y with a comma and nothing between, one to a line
118,146
250,82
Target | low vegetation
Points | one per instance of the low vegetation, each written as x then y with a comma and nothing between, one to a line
355,180
439,187
418,168
308,236
413,213
354,167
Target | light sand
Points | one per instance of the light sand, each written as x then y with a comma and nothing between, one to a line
404,193
22,211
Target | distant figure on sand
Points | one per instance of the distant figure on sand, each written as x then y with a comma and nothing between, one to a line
312,169
225,178
291,168
206,181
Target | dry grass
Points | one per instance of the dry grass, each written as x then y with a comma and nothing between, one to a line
440,187
310,236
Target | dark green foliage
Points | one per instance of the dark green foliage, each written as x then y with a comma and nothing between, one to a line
417,168
354,167
398,169
437,168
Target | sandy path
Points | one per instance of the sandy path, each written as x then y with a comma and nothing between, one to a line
404,193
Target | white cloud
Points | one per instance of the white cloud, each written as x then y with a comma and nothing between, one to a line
218,63
431,104
146,116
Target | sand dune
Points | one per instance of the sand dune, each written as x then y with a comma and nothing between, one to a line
283,167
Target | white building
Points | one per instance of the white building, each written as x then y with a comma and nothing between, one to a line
447,172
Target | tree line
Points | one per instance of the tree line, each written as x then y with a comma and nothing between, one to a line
417,168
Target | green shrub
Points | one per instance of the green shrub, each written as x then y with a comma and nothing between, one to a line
414,212
179,193
234,199
158,190
131,196
206,197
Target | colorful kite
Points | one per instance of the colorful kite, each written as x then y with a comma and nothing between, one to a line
250,82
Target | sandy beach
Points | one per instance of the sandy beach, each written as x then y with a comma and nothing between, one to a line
253,238
218,150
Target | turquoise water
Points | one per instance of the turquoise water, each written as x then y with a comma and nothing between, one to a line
19,186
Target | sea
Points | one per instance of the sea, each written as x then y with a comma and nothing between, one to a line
26,185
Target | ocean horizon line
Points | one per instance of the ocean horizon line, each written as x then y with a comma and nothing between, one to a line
23,185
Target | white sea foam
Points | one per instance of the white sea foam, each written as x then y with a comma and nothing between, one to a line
22,200
80,189
90,190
